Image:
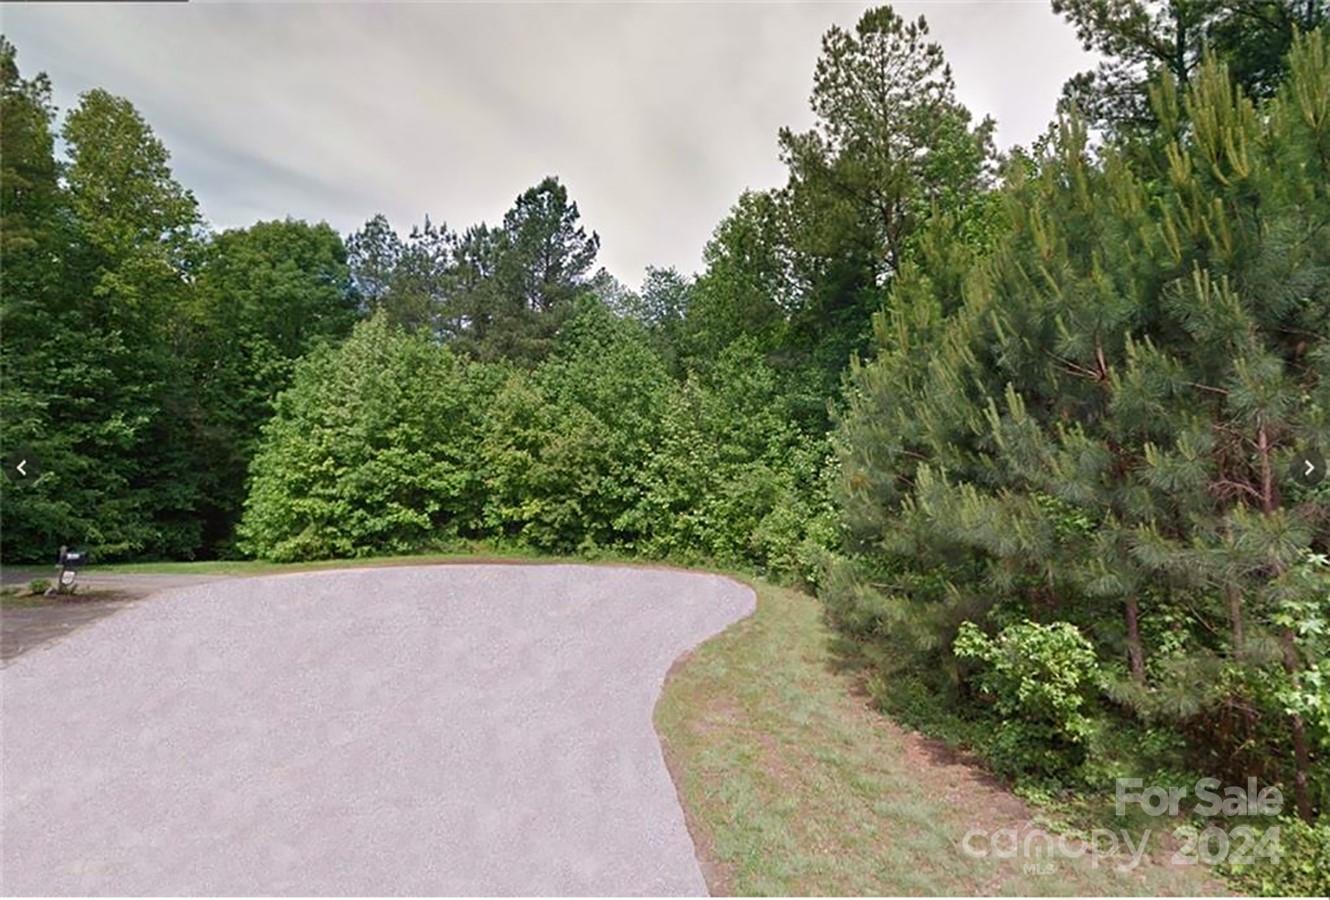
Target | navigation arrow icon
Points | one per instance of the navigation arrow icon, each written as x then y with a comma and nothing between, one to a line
1308,468
22,465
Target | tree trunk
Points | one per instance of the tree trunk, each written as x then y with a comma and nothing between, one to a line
1235,620
1270,498
1238,637
1135,656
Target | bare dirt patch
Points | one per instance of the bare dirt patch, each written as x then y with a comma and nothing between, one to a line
28,623
27,627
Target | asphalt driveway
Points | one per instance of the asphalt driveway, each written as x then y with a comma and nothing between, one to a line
429,730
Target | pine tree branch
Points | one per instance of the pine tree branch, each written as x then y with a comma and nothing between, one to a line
1073,368
1229,487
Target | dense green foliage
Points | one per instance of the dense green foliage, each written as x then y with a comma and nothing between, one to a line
692,424
800,269
371,450
95,256
1024,420
265,297
1303,869
393,442
1037,677
1091,423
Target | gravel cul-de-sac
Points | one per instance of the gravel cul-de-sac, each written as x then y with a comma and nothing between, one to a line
464,729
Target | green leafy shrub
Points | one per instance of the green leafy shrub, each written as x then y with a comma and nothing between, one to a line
1304,611
39,586
1038,678
392,443
1302,868
372,450
731,478
564,447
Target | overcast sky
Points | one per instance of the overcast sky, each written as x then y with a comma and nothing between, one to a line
655,116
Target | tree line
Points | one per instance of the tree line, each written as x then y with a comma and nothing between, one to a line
144,358
1024,420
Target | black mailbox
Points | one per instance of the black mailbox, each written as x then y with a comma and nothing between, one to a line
67,568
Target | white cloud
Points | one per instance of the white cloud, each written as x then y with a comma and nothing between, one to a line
656,116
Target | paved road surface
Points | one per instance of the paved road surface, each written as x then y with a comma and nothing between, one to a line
429,730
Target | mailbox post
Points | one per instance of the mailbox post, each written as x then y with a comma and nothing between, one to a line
67,569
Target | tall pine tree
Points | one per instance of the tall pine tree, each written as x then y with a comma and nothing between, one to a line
1094,421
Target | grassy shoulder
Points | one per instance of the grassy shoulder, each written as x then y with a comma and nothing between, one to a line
794,785
478,554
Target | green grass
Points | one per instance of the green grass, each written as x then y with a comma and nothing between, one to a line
479,554
794,785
